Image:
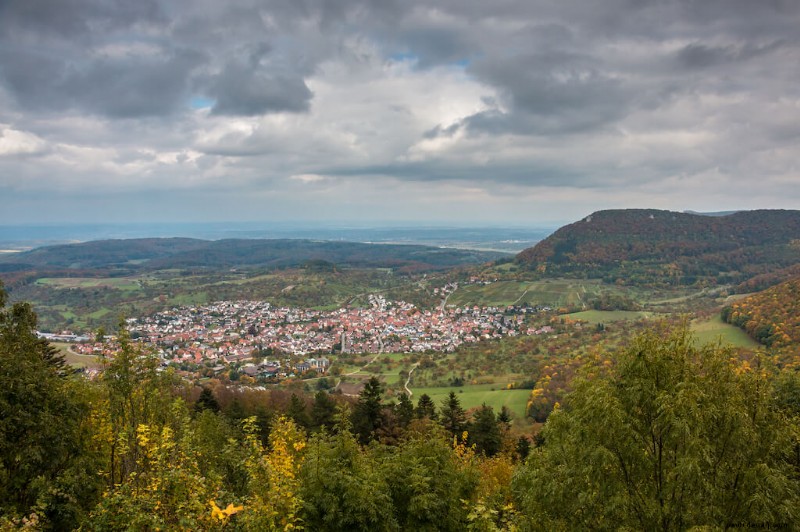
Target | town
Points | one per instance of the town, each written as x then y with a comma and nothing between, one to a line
275,342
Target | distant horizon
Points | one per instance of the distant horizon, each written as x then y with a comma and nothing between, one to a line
23,237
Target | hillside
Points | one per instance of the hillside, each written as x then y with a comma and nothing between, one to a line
165,253
771,316
646,246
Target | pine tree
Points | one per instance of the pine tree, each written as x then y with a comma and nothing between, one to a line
367,413
426,408
404,410
323,411
453,418
484,431
43,450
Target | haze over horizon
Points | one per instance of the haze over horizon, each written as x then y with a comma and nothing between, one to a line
449,112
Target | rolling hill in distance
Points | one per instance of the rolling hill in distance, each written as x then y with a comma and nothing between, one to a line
647,246
171,253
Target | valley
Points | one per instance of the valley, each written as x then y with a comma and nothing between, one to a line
366,346
365,312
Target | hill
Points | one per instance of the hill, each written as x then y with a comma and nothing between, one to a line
647,246
149,254
771,316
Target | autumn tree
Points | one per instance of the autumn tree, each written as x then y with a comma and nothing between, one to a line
674,436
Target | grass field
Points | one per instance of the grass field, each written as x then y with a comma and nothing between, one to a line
120,283
478,394
607,316
552,292
75,360
714,329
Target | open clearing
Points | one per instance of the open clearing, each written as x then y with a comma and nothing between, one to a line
607,316
119,283
714,329
74,359
476,395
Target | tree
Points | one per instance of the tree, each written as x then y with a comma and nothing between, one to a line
367,412
342,487
297,411
207,401
404,410
46,463
674,436
136,394
323,411
430,488
453,418
484,432
425,407
504,416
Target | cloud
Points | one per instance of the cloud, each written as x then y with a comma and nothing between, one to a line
15,142
451,103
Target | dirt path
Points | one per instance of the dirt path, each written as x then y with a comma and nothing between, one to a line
408,380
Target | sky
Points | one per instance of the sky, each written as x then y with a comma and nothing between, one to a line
449,112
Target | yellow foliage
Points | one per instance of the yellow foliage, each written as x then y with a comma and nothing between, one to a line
275,503
223,515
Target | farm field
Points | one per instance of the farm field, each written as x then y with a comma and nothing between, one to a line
75,360
476,395
606,316
120,283
549,292
714,329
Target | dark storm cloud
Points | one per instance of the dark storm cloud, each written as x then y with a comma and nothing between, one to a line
250,85
700,56
131,59
73,19
614,95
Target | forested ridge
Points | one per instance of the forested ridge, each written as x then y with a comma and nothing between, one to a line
150,254
648,246
661,434
771,316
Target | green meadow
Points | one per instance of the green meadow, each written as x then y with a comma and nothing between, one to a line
608,316
713,330
119,283
472,396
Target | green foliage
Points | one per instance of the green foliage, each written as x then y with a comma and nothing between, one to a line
342,487
323,411
137,395
207,401
427,483
426,408
484,432
453,418
367,414
46,466
674,436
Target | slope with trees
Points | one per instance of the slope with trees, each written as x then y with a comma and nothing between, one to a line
647,246
772,317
